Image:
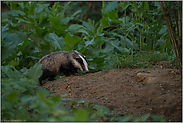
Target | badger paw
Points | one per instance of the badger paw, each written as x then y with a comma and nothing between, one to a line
77,74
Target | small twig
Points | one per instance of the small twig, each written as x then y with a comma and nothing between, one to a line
176,21
180,26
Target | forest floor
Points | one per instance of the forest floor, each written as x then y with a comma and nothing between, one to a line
138,91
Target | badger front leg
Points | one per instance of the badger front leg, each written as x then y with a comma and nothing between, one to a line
75,72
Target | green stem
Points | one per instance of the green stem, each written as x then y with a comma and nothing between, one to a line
150,43
11,6
28,24
125,28
24,26
153,43
140,40
103,7
133,33
142,36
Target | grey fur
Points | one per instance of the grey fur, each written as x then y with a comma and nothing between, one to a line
62,62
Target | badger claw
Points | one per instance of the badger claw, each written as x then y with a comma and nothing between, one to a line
77,74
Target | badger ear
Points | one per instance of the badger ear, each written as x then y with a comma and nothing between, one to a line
75,56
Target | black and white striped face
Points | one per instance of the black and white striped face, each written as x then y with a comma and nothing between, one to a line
81,62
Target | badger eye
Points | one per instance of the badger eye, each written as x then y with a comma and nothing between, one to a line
78,59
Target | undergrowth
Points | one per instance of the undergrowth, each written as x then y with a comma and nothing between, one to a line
31,30
137,60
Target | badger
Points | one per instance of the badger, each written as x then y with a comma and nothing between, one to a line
66,62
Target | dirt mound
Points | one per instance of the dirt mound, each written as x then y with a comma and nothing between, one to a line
134,91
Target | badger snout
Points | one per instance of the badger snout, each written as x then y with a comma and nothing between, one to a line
86,71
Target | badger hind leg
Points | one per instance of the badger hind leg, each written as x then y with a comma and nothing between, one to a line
43,77
46,74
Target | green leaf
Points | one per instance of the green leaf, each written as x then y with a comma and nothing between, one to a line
129,42
43,98
75,13
12,97
44,91
57,42
142,118
75,27
140,24
8,49
15,13
158,118
4,28
64,95
81,115
54,20
12,37
35,72
64,9
21,5
70,42
38,9
66,20
55,98
83,102
3,31
83,31
87,25
114,43
157,3
13,63
125,119
31,6
111,6
41,32
22,35
87,43
43,6
112,15
145,5
8,70
163,29
108,48
25,21
124,5
108,17
140,12
110,45
41,18
102,110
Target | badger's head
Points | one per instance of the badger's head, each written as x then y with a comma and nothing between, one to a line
79,61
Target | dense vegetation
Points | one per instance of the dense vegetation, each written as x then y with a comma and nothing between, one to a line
110,34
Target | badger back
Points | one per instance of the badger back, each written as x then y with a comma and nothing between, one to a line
52,61
79,61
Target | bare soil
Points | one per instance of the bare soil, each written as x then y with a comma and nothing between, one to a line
139,91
